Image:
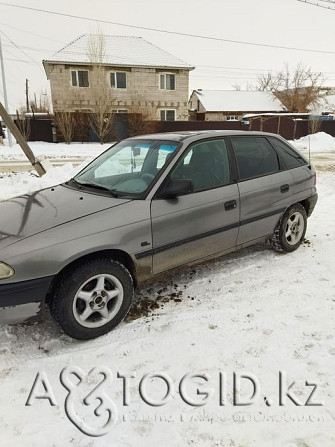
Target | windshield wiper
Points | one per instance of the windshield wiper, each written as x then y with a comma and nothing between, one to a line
94,186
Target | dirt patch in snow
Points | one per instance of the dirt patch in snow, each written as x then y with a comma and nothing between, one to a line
146,306
325,167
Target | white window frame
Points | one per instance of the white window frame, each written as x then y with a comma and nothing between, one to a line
165,111
77,79
115,73
232,118
164,76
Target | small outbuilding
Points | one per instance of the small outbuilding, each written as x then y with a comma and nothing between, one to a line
231,105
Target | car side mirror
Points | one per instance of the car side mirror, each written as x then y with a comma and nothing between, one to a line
176,187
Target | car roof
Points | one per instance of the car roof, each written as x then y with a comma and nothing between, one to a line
184,135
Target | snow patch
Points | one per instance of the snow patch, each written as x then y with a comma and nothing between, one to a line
53,150
15,184
318,142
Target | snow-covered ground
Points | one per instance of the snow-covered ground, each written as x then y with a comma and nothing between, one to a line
318,142
15,184
255,312
52,150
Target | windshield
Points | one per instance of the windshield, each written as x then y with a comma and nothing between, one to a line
128,168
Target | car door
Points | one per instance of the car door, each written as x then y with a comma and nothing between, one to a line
265,190
200,224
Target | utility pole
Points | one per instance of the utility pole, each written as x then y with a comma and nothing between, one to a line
5,91
41,166
27,96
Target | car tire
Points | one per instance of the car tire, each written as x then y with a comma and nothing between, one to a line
92,298
290,230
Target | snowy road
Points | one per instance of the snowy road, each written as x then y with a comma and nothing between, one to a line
23,166
255,312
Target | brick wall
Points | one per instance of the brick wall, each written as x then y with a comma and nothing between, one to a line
142,91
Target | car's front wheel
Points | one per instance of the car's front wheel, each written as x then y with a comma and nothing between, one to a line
92,298
291,229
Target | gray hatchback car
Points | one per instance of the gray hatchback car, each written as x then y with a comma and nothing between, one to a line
144,207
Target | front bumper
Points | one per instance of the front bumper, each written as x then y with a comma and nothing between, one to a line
23,302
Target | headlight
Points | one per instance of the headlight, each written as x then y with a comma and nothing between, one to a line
6,271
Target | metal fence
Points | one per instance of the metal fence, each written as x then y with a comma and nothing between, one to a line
44,130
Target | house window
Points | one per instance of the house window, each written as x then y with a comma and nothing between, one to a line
79,78
232,118
118,80
122,111
167,81
168,115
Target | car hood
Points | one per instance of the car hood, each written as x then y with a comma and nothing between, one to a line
34,213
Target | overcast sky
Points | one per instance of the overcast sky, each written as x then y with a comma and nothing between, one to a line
28,37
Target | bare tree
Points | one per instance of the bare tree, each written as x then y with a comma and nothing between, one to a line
102,120
141,116
249,87
82,126
23,124
66,124
236,86
102,115
298,90
41,103
314,124
267,82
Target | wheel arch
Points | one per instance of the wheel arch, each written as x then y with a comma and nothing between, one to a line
113,254
306,204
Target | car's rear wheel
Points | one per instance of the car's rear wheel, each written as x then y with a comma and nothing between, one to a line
291,229
92,298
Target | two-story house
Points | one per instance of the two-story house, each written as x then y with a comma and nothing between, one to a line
136,75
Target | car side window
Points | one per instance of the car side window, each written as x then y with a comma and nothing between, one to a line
290,157
255,157
205,163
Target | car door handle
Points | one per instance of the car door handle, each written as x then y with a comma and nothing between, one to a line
231,205
284,188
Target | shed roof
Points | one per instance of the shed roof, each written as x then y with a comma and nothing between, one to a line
125,51
238,100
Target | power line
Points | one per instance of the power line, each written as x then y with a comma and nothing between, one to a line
32,34
197,36
231,68
198,67
317,4
18,60
39,50
16,46
238,71
215,70
204,68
